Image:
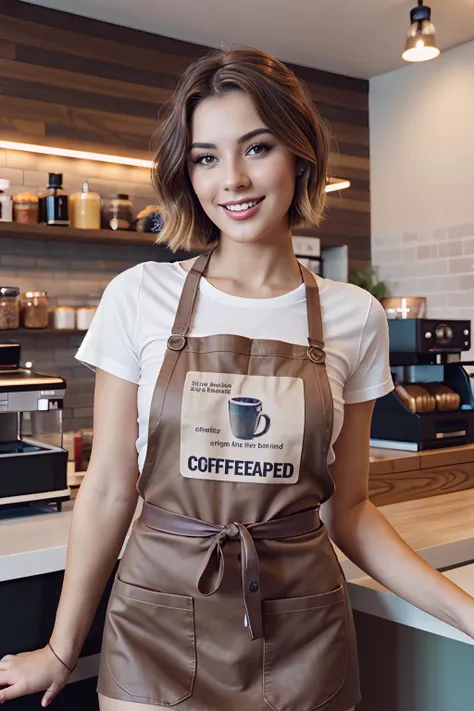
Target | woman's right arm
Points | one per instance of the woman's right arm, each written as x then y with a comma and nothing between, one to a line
102,514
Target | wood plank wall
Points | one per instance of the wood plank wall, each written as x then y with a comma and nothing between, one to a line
70,81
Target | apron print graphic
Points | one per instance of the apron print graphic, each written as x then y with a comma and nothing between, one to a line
245,414
245,428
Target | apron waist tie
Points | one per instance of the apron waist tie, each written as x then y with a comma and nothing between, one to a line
210,576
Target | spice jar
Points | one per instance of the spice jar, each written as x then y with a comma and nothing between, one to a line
84,316
9,308
64,317
117,213
25,209
34,309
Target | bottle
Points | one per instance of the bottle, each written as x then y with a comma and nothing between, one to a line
85,209
6,211
53,203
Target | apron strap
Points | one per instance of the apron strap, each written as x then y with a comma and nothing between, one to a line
187,302
182,321
313,309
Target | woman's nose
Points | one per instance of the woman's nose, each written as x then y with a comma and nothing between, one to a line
235,176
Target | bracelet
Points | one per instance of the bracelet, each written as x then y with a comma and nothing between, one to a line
60,660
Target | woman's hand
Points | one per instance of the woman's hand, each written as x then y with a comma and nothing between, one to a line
30,672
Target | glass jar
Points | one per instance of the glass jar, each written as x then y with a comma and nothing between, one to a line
25,209
34,309
117,213
9,308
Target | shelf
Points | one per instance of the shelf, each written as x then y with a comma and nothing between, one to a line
11,230
41,331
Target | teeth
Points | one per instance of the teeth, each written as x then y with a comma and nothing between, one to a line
243,206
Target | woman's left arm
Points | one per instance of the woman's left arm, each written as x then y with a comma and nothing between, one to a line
364,535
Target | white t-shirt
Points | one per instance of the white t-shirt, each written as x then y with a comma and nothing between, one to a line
129,332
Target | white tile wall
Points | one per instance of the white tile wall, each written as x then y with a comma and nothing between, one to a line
438,264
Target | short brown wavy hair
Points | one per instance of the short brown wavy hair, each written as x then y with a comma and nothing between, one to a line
285,106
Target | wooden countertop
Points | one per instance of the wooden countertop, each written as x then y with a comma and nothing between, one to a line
441,530
383,461
397,476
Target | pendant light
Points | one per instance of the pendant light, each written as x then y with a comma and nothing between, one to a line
420,44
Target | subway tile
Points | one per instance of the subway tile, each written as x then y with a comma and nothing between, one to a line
458,231
112,172
403,287
436,267
409,253
426,236
464,265
14,175
466,281
468,246
36,179
7,274
440,234
16,260
410,237
461,298
58,264
32,248
429,285
22,159
54,164
389,256
450,249
437,300
427,251
86,169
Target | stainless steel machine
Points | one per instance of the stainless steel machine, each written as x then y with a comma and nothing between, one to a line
33,463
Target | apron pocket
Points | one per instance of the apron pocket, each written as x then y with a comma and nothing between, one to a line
150,643
305,650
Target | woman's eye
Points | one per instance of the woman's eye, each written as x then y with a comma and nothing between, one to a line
203,160
257,148
261,148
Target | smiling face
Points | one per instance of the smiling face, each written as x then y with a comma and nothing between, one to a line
243,177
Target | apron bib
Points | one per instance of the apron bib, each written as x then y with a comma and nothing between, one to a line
229,596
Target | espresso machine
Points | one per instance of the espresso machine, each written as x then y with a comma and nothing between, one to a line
432,405
33,463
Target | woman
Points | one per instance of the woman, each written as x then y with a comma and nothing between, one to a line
229,595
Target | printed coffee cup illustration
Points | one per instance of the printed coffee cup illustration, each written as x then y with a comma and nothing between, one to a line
246,416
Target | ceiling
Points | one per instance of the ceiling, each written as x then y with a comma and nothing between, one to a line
360,38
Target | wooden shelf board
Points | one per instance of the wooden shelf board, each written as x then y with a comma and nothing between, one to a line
11,230
41,332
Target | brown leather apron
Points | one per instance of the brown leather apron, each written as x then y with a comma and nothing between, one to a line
229,596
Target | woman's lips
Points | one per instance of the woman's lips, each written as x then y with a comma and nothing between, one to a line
243,214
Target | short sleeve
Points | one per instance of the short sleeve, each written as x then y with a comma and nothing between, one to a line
371,377
109,342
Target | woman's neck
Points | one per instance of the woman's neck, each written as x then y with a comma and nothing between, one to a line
254,270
